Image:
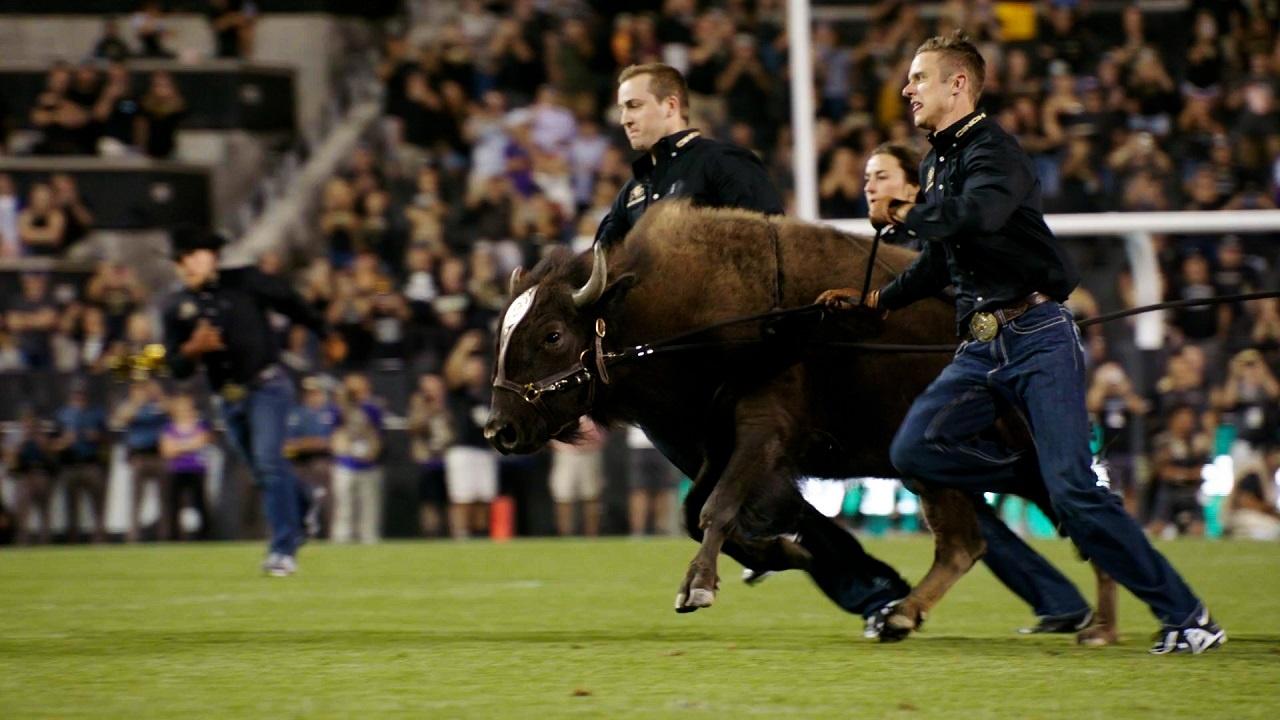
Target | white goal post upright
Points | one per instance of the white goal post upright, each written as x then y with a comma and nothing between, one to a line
804,156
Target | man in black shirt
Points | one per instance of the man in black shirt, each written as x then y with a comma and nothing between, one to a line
980,218
677,160
219,320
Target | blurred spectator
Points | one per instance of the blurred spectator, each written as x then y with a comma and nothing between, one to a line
1115,407
840,189
1252,513
81,446
232,23
746,86
431,432
10,240
1264,333
33,318
111,46
115,288
183,444
652,480
78,218
1182,384
577,476
1250,401
1181,452
61,121
149,25
471,465
42,227
163,108
514,51
143,418
1199,323
553,126
339,222
357,472
33,463
308,443
119,113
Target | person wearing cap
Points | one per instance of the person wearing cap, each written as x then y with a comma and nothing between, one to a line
676,160
981,219
218,320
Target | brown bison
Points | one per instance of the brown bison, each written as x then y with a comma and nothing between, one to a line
744,408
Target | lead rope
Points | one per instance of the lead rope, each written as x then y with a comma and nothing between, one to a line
871,264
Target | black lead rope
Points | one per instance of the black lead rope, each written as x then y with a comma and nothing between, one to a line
681,342
871,265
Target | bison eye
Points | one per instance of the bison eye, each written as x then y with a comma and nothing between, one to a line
553,338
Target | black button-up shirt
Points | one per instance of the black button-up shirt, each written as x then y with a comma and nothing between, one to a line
685,164
236,303
980,217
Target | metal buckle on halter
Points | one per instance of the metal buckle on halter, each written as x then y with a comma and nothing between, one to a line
531,392
984,326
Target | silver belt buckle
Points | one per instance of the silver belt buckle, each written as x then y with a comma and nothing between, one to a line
984,326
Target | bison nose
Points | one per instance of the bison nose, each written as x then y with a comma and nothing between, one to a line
501,435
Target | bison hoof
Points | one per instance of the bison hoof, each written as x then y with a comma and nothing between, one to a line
697,598
1097,636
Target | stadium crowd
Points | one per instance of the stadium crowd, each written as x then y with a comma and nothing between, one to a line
496,144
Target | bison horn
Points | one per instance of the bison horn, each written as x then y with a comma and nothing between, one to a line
514,281
594,288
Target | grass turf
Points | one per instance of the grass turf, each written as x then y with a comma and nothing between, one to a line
547,629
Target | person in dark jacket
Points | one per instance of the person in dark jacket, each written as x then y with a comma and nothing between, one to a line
219,320
677,161
979,215
893,173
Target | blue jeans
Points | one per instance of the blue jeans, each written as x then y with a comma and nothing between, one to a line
1036,365
1049,593
256,425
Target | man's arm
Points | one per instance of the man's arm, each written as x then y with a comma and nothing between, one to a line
278,295
996,184
175,335
737,178
617,223
924,277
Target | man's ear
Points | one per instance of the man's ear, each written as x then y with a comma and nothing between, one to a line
610,302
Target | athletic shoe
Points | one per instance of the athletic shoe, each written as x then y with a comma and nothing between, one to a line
1075,622
877,624
754,577
278,565
1201,635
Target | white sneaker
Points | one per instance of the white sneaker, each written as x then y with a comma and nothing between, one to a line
278,565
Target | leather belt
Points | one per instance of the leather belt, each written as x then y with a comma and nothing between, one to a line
984,326
235,392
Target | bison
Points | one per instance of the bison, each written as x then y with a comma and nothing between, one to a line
744,408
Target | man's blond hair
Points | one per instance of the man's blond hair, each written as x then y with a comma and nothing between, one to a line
664,82
958,53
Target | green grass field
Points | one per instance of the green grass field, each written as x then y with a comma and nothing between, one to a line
546,629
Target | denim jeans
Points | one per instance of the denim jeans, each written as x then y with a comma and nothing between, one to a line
1024,571
1036,365
256,425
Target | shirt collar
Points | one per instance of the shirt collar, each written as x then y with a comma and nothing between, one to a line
956,133
669,146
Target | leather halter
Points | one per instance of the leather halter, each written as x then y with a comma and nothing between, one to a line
576,375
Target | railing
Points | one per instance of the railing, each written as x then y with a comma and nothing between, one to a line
1137,229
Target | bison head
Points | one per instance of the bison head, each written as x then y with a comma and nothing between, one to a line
546,332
